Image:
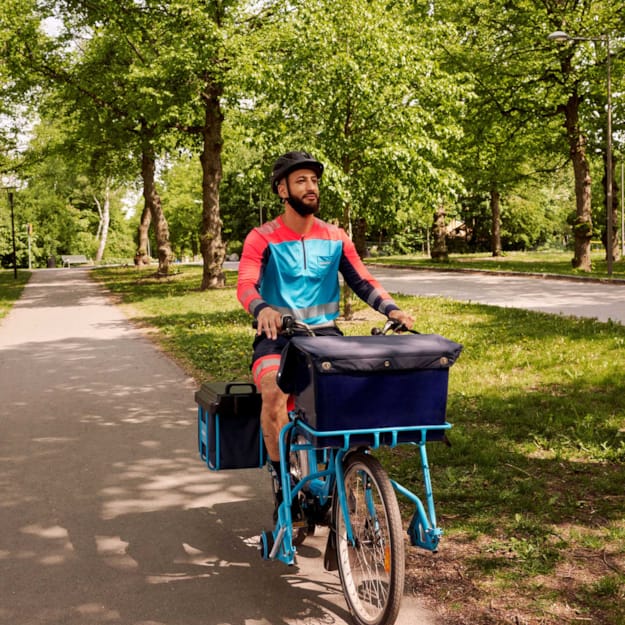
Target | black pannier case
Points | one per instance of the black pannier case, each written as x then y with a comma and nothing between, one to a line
229,435
361,382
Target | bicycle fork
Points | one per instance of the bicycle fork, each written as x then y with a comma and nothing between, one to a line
422,530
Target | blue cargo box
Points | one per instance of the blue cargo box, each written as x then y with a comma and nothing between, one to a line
229,433
370,382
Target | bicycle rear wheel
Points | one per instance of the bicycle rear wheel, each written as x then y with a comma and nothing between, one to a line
372,569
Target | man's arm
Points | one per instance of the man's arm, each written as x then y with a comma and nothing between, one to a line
360,280
250,270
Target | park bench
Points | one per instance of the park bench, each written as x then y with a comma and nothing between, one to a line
73,259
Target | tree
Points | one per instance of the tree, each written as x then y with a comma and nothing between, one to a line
354,83
507,136
522,82
184,54
217,54
110,81
84,69
182,197
67,196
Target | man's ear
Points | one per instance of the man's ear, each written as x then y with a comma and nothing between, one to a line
282,191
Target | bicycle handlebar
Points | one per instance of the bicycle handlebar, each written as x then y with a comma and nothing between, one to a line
290,326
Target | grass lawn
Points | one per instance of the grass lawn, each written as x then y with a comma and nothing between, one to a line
531,493
524,262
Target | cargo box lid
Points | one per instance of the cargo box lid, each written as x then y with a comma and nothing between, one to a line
364,354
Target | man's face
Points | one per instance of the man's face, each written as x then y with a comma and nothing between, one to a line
301,188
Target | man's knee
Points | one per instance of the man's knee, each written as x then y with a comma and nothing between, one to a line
274,400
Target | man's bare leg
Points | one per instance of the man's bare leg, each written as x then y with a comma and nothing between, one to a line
273,416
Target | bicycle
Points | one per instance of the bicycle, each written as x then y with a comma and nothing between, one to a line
335,481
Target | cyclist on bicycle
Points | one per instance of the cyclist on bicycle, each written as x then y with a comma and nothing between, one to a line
290,266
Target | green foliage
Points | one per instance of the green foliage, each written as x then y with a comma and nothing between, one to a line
405,243
355,84
61,191
181,198
528,224
411,105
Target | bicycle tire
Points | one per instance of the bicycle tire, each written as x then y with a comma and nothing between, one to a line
372,571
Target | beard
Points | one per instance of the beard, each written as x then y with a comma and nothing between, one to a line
304,208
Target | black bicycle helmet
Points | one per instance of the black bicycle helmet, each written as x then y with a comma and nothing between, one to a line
290,162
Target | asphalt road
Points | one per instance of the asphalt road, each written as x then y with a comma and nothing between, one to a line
580,298
107,515
603,301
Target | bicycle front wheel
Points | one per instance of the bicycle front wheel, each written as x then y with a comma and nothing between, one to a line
372,567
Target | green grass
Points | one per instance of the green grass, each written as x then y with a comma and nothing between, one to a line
531,492
11,288
558,263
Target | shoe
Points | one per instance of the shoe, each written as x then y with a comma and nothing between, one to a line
297,514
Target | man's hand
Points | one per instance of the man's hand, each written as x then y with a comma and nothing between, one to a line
402,317
269,321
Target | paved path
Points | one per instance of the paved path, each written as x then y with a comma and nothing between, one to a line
107,515
602,301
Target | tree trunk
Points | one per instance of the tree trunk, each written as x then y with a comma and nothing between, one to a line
153,202
582,228
142,256
348,296
360,237
211,245
439,232
105,220
97,205
495,211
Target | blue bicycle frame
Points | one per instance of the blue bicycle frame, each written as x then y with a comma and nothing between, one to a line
322,484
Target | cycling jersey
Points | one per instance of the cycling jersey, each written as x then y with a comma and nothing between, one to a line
298,274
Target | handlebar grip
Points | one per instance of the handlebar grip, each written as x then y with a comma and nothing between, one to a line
287,323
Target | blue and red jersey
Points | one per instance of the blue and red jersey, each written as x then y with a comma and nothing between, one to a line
299,275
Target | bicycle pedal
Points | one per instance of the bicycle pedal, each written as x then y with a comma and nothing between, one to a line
266,543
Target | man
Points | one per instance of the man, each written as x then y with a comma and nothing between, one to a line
290,266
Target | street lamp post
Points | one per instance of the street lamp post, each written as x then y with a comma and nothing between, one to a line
622,208
29,231
562,36
10,191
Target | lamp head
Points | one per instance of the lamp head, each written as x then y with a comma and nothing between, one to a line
559,36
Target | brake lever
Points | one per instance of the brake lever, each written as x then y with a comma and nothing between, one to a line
392,325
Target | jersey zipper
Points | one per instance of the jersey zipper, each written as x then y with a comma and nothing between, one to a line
304,251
